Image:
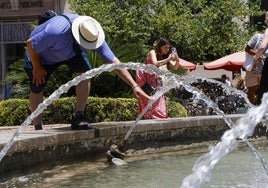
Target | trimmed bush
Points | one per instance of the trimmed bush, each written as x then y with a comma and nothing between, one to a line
15,111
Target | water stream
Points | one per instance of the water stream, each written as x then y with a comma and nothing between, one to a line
242,129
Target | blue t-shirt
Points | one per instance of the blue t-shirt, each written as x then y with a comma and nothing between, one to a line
53,41
105,52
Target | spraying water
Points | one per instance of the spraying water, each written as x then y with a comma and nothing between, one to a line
201,171
229,145
243,128
65,87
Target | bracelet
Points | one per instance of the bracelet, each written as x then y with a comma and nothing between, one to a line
135,86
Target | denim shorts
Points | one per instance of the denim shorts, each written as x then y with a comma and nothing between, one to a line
78,64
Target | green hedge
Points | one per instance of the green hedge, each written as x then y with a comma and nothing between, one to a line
15,111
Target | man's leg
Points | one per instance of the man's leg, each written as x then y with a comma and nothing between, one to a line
263,87
82,92
35,100
36,96
80,64
251,94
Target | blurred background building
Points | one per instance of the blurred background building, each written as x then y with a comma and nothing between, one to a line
16,22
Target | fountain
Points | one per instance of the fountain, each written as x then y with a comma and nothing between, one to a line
201,171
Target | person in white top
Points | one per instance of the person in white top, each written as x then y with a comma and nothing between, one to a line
261,54
253,76
225,80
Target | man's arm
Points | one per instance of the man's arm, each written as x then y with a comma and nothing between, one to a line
108,56
39,72
126,76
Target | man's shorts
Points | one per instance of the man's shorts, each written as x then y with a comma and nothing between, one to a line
77,64
252,79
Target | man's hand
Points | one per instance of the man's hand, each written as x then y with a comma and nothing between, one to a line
139,92
39,74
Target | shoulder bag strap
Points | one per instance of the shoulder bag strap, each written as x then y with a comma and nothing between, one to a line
76,47
257,43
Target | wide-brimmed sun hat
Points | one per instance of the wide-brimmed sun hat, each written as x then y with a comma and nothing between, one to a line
88,32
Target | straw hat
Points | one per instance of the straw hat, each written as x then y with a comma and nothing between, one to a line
88,32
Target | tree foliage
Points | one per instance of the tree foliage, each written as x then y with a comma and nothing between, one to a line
200,29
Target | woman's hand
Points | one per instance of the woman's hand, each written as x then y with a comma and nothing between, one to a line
176,57
170,57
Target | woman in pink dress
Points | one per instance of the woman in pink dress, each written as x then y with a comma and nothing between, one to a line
162,57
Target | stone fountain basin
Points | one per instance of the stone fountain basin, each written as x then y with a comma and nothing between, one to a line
58,144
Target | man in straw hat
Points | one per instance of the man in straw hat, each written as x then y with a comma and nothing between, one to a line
63,39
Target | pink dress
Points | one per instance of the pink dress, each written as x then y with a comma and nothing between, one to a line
158,109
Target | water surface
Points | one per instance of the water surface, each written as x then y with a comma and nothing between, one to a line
238,169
